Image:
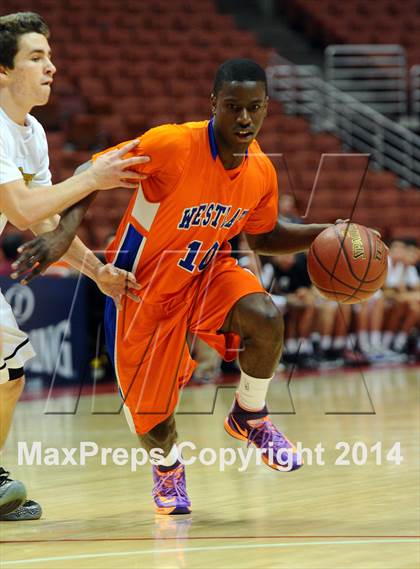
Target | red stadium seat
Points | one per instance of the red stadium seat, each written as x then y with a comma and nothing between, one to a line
72,159
137,124
304,160
113,129
78,69
63,86
82,132
100,104
117,36
100,234
128,105
327,143
151,87
89,35
295,142
332,22
403,232
92,86
56,141
119,86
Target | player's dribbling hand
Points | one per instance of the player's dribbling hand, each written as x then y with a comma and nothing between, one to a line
375,231
116,283
112,170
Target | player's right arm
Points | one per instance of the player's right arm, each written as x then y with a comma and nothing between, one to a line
39,253
25,206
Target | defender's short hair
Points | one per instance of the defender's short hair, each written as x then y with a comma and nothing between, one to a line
12,26
239,70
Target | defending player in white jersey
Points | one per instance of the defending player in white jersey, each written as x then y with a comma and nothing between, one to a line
27,199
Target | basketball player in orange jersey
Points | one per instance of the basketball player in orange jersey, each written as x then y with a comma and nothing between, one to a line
208,181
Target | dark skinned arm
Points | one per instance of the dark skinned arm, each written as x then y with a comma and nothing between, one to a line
286,238
41,252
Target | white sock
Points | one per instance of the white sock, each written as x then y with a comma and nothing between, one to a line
315,337
252,391
325,343
167,460
387,339
351,342
363,338
375,339
291,345
339,342
305,346
400,340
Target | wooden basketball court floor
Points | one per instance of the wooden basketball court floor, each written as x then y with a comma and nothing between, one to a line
361,515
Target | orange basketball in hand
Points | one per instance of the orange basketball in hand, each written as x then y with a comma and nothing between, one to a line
348,263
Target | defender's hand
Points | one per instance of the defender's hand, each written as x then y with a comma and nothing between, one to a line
112,170
116,283
37,255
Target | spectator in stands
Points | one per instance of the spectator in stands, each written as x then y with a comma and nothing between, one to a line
286,277
288,210
332,338
330,335
369,322
344,342
414,258
402,291
413,252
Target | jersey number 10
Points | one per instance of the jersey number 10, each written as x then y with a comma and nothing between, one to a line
188,262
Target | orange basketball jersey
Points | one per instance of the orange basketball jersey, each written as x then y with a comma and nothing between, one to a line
189,207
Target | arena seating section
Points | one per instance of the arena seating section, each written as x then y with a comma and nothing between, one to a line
125,67
358,22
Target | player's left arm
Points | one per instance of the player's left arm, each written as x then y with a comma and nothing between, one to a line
286,238
290,237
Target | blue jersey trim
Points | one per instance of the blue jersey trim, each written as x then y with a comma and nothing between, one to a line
125,260
129,249
212,140
110,324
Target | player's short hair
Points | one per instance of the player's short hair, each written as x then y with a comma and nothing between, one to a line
12,26
239,70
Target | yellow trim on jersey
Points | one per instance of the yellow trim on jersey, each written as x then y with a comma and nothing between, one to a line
27,177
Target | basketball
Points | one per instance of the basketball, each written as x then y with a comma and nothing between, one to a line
347,263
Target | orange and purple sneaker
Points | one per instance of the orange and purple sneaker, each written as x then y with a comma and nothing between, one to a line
255,427
170,493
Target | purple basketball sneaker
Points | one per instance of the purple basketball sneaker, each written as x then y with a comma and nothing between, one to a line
170,493
255,427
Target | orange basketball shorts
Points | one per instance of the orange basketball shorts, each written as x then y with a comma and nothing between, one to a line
148,342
